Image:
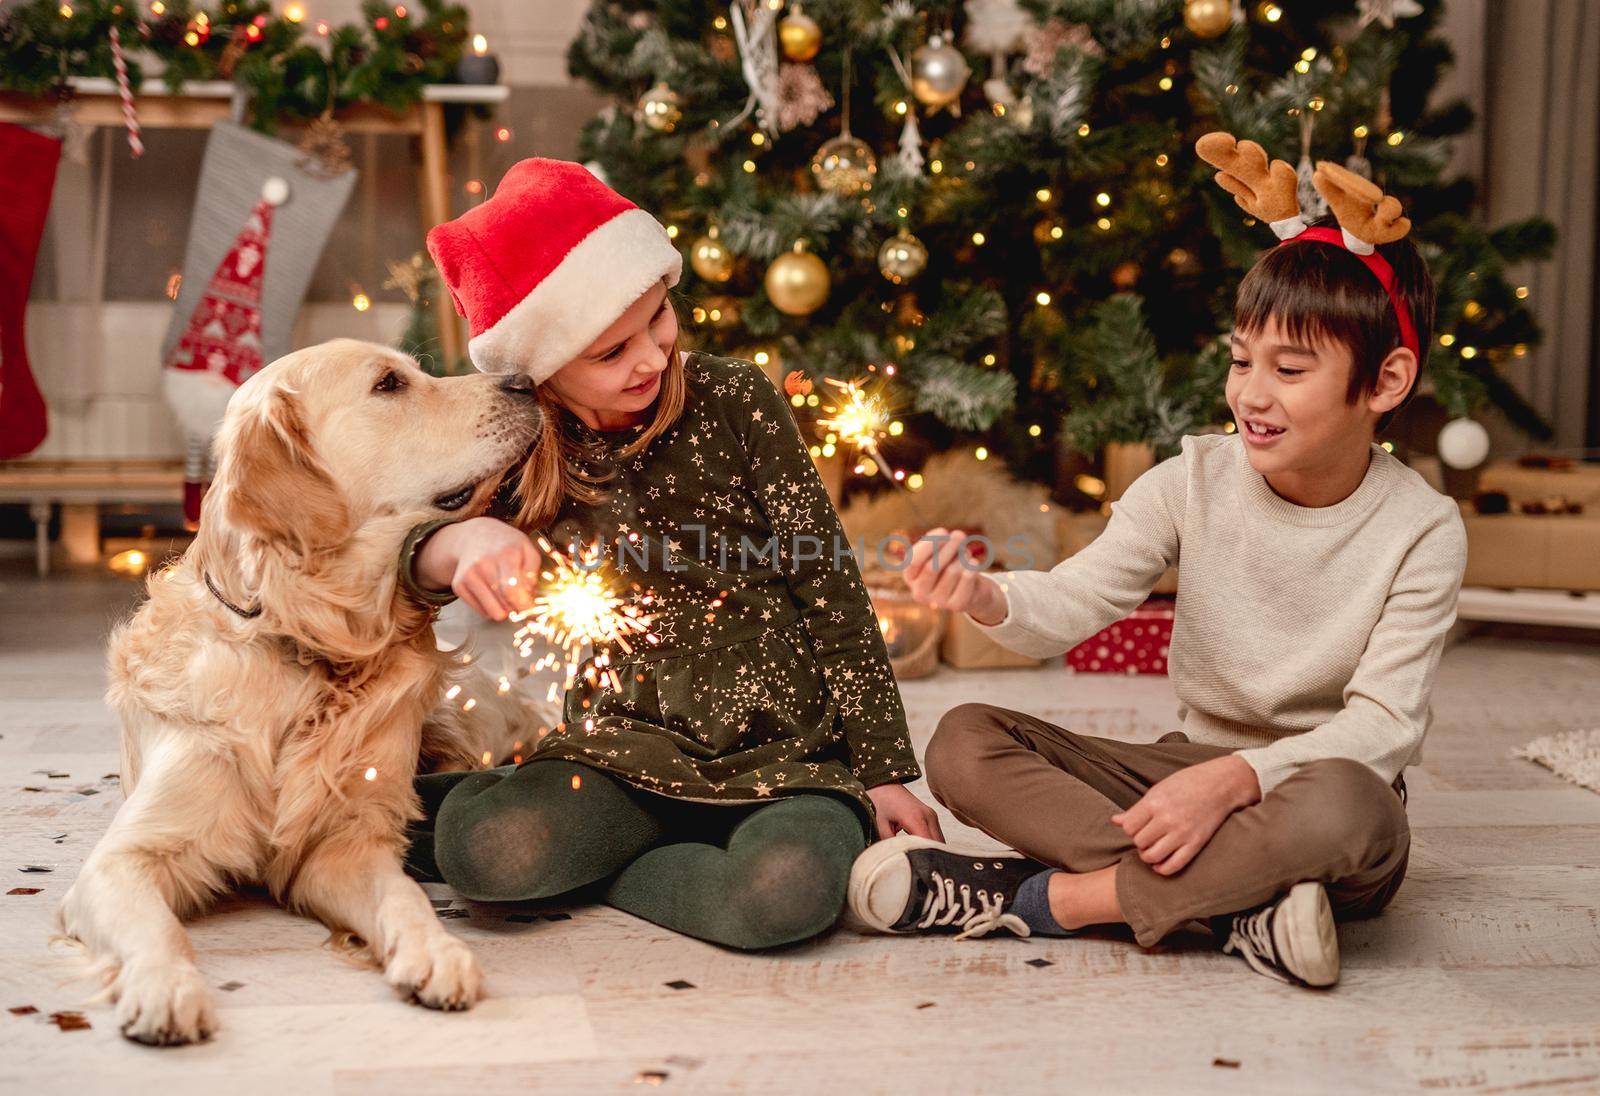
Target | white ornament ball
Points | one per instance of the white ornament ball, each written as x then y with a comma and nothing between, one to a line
902,258
939,73
1463,443
275,191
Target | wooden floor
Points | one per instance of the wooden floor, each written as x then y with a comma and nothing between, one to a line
1483,976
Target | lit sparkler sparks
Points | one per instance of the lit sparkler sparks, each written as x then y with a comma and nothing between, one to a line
579,606
860,418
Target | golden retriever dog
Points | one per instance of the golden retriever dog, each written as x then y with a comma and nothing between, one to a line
274,690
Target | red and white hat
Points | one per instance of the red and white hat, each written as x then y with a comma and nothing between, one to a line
548,263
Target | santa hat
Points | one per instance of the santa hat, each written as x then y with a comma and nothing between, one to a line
547,264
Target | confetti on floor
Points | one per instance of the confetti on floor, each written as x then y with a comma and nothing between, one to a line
1225,1063
22,1010
1040,963
229,987
70,1021
926,1004
24,890
679,983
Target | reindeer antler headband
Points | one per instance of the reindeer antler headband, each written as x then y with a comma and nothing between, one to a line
1268,192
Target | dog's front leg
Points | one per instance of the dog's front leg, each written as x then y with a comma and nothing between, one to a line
363,887
166,853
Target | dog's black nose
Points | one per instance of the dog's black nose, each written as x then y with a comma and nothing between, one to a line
518,384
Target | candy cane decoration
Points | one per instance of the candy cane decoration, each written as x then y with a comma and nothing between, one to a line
129,118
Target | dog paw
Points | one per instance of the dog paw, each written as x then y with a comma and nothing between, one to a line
435,970
164,1004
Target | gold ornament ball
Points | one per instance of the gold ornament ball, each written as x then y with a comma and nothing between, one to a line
1207,18
939,73
902,258
711,260
844,166
798,283
660,109
1125,275
799,36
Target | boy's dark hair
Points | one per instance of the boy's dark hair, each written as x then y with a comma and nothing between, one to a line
1319,292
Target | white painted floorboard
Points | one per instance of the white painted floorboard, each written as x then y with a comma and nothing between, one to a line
1483,976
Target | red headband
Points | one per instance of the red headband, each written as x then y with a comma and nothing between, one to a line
1382,271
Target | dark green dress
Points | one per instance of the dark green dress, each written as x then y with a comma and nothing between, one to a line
768,676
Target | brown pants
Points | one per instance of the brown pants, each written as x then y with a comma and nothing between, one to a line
1050,794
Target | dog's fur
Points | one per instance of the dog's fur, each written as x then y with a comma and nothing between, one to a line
281,749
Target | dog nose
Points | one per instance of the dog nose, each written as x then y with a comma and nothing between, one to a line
518,384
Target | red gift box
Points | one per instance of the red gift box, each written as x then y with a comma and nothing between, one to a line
1137,644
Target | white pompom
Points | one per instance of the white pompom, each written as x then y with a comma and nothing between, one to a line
275,191
1463,443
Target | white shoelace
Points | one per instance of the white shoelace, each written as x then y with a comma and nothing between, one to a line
941,906
1251,939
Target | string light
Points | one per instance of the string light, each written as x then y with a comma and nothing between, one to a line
1360,132
1469,351
988,359
1102,199
370,774
361,302
1161,160
1035,430
480,45
1043,194
158,8
1522,292
1395,138
295,13
1447,339
1042,297
502,135
981,453
979,238
1165,83
1083,129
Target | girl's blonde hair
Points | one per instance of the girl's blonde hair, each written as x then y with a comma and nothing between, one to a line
555,468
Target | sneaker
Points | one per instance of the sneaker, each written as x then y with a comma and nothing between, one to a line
1292,940
912,884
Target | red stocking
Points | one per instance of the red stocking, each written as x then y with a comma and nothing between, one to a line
25,185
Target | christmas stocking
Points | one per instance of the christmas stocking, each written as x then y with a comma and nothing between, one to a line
25,184
260,223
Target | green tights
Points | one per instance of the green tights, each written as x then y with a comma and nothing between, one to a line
746,877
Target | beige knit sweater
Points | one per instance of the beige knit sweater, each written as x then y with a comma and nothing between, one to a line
1301,633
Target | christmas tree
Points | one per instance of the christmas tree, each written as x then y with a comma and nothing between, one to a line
992,210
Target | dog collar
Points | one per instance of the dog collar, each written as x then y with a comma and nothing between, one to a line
247,614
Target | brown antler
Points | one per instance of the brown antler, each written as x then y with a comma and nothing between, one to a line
1360,205
1266,191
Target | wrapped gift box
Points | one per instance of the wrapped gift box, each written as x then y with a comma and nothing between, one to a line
1137,644
1573,480
966,647
1541,552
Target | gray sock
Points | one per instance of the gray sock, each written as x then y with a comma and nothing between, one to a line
1032,904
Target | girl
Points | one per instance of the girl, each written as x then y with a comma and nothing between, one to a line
724,781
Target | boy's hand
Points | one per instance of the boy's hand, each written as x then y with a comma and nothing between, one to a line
1176,818
490,565
899,810
942,573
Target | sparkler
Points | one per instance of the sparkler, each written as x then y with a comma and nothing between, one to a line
861,419
578,605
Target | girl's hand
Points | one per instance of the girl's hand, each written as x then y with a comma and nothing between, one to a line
1179,815
490,565
942,573
899,810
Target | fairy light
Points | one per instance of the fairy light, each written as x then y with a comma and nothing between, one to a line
1165,83
979,238
502,135
1522,292
1469,351
914,481
1302,67
1271,12
370,774
749,167
480,45
474,186
989,359
758,138
1360,132
900,108
66,11
295,13
1103,224
761,357
1042,297
1043,194
981,453
1102,199
1035,430
672,232
1395,138
158,8
937,167
1083,129
1447,339
361,302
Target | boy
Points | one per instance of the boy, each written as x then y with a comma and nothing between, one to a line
1317,576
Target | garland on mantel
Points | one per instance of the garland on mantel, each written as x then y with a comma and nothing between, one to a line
294,65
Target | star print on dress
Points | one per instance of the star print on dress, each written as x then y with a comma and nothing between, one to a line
767,674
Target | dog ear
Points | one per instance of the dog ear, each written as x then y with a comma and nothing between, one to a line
274,487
